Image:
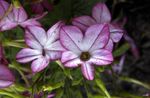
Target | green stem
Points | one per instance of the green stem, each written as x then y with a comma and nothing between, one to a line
21,73
135,82
3,92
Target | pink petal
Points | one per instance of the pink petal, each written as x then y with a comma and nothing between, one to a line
6,77
54,55
109,45
71,37
35,37
51,96
101,57
116,32
55,46
37,17
3,7
54,50
6,24
39,64
30,22
19,14
68,56
83,22
53,32
87,71
96,37
27,55
73,63
101,13
116,37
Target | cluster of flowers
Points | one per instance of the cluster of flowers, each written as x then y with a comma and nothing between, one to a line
87,42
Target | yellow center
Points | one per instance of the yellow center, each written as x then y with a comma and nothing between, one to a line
85,56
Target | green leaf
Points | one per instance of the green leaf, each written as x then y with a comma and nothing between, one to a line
53,87
13,44
10,94
135,82
101,85
121,50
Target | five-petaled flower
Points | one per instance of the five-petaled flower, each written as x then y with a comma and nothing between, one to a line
43,46
85,49
100,15
6,76
17,16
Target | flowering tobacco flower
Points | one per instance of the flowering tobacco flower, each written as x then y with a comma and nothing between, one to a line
6,77
17,16
43,46
100,15
38,7
85,50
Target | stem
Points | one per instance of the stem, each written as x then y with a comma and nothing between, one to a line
3,92
21,73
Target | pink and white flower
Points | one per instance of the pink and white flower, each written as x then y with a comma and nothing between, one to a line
100,15
43,47
85,49
17,16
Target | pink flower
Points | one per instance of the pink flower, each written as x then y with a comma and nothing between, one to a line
51,95
6,77
43,47
38,8
16,17
85,50
100,15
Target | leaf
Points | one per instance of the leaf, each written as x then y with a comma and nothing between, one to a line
13,44
135,82
53,87
121,50
101,85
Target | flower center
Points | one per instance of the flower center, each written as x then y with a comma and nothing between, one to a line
85,56
43,52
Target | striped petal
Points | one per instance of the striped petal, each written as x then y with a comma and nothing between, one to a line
39,64
87,70
101,57
109,45
96,37
3,7
19,14
53,32
101,13
6,24
83,22
35,37
71,37
27,55
68,56
116,32
73,63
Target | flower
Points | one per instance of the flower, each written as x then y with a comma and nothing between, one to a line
51,95
43,46
17,16
100,15
6,77
85,50
38,7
